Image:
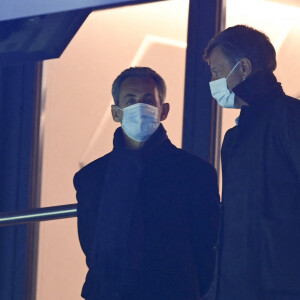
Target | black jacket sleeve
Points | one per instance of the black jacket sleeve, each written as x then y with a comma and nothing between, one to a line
86,215
205,216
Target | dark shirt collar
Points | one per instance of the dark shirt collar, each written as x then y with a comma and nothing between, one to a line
258,88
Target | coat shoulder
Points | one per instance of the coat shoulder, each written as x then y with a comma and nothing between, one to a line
285,115
191,163
91,172
286,105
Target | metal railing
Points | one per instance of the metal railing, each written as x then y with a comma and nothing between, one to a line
38,214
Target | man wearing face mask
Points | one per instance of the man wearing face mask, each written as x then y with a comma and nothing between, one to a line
259,257
147,211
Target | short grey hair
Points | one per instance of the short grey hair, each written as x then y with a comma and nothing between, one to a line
142,72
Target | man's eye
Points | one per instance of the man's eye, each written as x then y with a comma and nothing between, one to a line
130,101
149,101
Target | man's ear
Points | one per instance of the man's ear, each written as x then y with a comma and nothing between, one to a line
246,67
164,111
116,113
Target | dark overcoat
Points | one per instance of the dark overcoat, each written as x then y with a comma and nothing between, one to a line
260,246
179,197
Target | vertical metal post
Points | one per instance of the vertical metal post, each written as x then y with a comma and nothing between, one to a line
35,188
202,116
17,110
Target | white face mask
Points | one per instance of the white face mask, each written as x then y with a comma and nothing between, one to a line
140,121
221,93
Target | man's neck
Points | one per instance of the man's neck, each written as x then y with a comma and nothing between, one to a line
132,144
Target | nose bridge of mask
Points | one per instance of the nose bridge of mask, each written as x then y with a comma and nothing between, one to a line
218,85
141,109
232,70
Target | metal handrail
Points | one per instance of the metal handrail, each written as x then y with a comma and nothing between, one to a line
38,214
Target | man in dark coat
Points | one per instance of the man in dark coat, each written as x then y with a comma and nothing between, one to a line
147,211
259,257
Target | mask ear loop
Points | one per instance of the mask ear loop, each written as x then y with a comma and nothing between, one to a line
233,69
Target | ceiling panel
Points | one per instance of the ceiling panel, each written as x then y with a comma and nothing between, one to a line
15,9
38,38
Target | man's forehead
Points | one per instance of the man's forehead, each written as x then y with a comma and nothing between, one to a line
138,84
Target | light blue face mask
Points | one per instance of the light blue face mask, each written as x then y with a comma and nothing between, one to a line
140,121
221,93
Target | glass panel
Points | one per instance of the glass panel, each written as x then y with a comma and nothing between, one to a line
279,19
77,121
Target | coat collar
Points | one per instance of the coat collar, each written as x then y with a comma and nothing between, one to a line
259,88
149,148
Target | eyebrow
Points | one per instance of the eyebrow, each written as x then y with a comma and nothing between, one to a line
133,95
129,95
149,94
